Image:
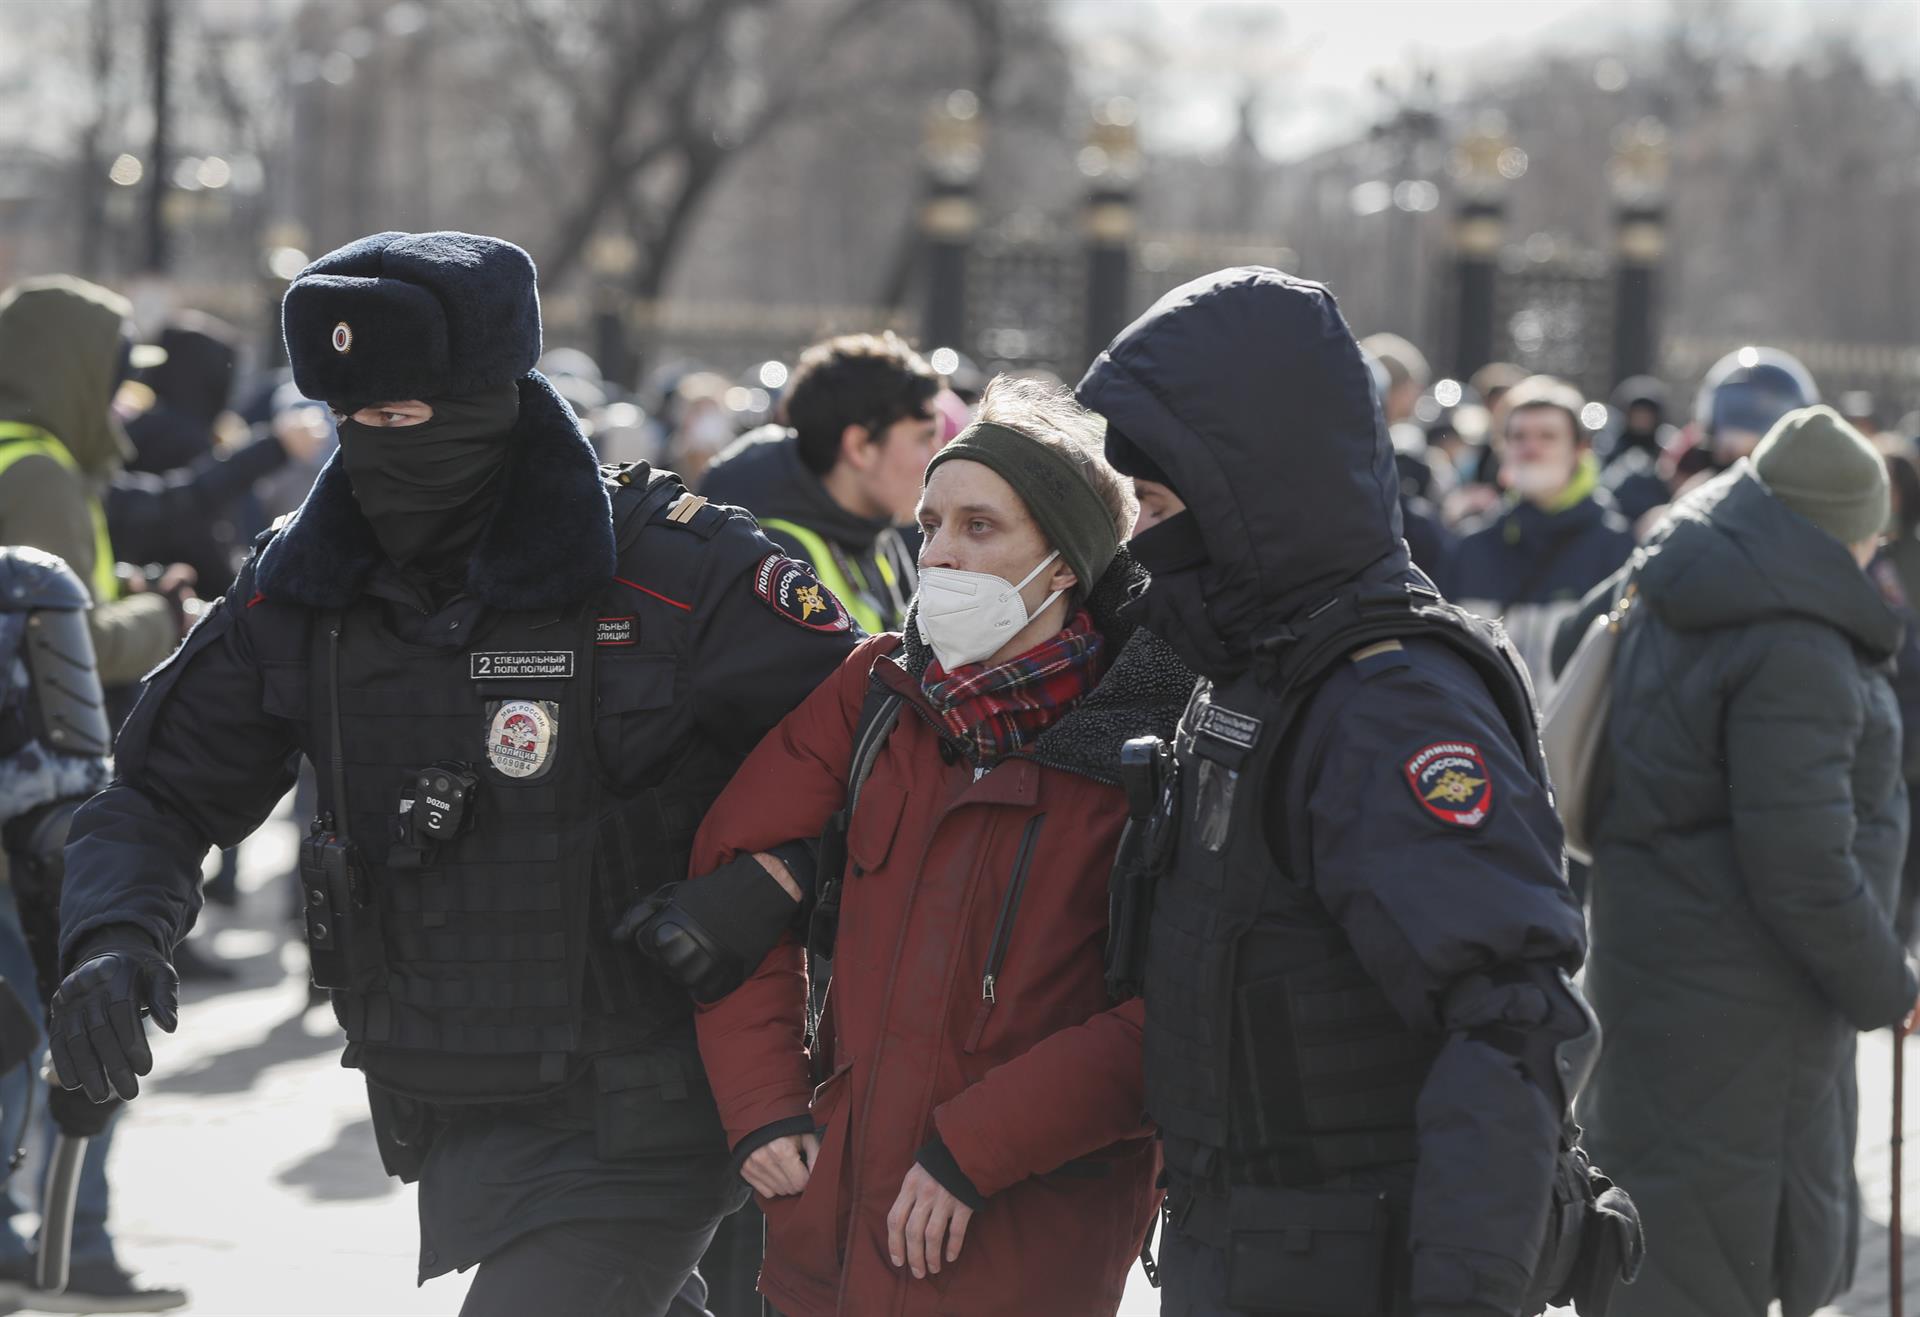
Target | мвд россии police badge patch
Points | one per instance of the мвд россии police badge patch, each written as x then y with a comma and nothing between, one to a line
522,736
1451,782
790,589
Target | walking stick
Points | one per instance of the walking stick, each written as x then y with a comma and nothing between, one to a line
1896,1295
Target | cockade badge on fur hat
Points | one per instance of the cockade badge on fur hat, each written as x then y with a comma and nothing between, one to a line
412,315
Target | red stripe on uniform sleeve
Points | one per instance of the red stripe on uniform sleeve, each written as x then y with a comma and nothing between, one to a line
634,585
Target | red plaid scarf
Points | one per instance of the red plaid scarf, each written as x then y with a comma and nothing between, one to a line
996,710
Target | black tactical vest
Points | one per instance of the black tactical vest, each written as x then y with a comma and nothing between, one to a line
499,978
1271,1056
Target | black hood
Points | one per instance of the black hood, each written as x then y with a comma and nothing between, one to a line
1247,389
197,376
762,472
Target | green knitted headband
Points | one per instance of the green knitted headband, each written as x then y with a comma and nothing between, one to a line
1069,510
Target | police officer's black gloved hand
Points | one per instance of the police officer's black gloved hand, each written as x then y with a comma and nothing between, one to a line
707,935
78,1116
94,1029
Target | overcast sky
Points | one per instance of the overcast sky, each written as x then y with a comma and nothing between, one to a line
1314,59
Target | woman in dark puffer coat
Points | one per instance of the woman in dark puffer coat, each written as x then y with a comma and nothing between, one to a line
1747,850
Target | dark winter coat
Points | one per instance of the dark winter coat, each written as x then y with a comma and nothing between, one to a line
1747,851
59,340
1298,506
1530,567
1034,1087
763,473
191,514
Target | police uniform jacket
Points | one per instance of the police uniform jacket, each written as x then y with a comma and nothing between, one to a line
1365,920
614,636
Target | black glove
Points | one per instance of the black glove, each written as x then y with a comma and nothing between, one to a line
708,934
94,1028
77,1117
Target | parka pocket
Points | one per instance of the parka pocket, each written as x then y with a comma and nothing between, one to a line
1003,931
871,831
810,1227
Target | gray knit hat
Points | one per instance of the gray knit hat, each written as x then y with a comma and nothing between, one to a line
1064,503
1827,471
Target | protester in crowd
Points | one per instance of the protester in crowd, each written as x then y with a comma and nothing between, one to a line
1427,535
1746,855
1631,450
63,345
283,406
1558,535
1407,374
179,499
1858,408
978,1145
701,425
1896,570
1741,397
1477,489
64,348
842,469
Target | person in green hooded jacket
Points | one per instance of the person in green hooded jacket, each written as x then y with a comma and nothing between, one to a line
1749,835
61,355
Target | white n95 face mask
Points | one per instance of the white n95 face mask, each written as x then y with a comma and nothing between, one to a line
967,616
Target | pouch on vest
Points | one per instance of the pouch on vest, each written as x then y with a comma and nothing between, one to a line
1594,1242
1299,1253
403,1130
655,1101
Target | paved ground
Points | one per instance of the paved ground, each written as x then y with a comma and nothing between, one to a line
247,1170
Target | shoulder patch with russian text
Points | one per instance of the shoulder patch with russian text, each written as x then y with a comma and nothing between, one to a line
1450,781
790,589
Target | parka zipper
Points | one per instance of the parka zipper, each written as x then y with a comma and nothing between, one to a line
1009,908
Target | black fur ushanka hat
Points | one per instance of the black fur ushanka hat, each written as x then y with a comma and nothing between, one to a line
397,316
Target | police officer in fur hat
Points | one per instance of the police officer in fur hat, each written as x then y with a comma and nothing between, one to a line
521,678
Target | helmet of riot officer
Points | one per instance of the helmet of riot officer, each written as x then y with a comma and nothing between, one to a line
1744,394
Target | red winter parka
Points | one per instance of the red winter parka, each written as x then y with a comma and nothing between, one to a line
1034,1083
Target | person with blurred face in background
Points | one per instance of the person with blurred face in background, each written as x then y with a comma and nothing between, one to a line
1407,374
1557,536
1635,446
841,471
1740,399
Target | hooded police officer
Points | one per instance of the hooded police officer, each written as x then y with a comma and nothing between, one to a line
521,679
1361,1041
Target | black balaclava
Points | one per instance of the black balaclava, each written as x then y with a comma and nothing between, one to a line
1175,606
427,489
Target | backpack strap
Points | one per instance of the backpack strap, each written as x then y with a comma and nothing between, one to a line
1293,661
879,715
